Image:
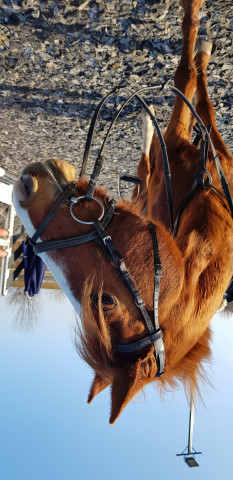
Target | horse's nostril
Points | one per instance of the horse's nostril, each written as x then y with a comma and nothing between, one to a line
27,183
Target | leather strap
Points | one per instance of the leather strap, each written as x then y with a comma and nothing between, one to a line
155,335
143,342
205,134
61,199
157,273
105,243
75,240
92,130
100,158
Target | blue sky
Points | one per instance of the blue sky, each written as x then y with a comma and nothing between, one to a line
47,430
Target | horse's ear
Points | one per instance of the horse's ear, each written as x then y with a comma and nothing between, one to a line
130,381
97,386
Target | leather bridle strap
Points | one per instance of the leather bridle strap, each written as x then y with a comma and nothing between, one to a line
155,334
92,130
157,273
100,159
104,241
60,200
155,338
110,251
183,205
206,137
202,176
74,240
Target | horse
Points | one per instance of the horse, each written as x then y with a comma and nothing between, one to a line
196,257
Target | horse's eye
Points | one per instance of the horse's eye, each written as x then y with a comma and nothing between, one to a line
108,302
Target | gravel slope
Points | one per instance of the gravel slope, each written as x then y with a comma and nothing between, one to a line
57,59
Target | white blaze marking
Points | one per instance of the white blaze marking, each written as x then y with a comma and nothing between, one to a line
58,273
57,270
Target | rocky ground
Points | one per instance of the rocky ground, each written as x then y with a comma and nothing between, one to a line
58,58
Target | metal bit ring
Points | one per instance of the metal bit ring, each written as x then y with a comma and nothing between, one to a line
74,202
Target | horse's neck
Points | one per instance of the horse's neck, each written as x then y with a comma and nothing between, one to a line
205,243
185,263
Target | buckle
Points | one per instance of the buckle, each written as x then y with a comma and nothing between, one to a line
29,241
138,300
107,239
200,176
158,269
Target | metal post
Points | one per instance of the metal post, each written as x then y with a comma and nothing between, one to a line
189,452
191,422
9,225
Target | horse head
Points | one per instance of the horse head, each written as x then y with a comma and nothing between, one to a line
109,314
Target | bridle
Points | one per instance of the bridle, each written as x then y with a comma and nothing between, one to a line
103,239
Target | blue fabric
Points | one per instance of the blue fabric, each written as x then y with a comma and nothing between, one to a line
229,293
34,269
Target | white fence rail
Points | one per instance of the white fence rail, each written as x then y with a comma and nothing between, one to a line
12,264
8,274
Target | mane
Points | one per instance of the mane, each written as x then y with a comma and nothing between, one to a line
94,345
191,371
226,309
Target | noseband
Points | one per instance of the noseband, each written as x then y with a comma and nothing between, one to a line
103,239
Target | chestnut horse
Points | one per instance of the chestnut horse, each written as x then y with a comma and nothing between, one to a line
197,262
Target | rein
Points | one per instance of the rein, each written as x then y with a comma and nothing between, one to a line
202,172
100,158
